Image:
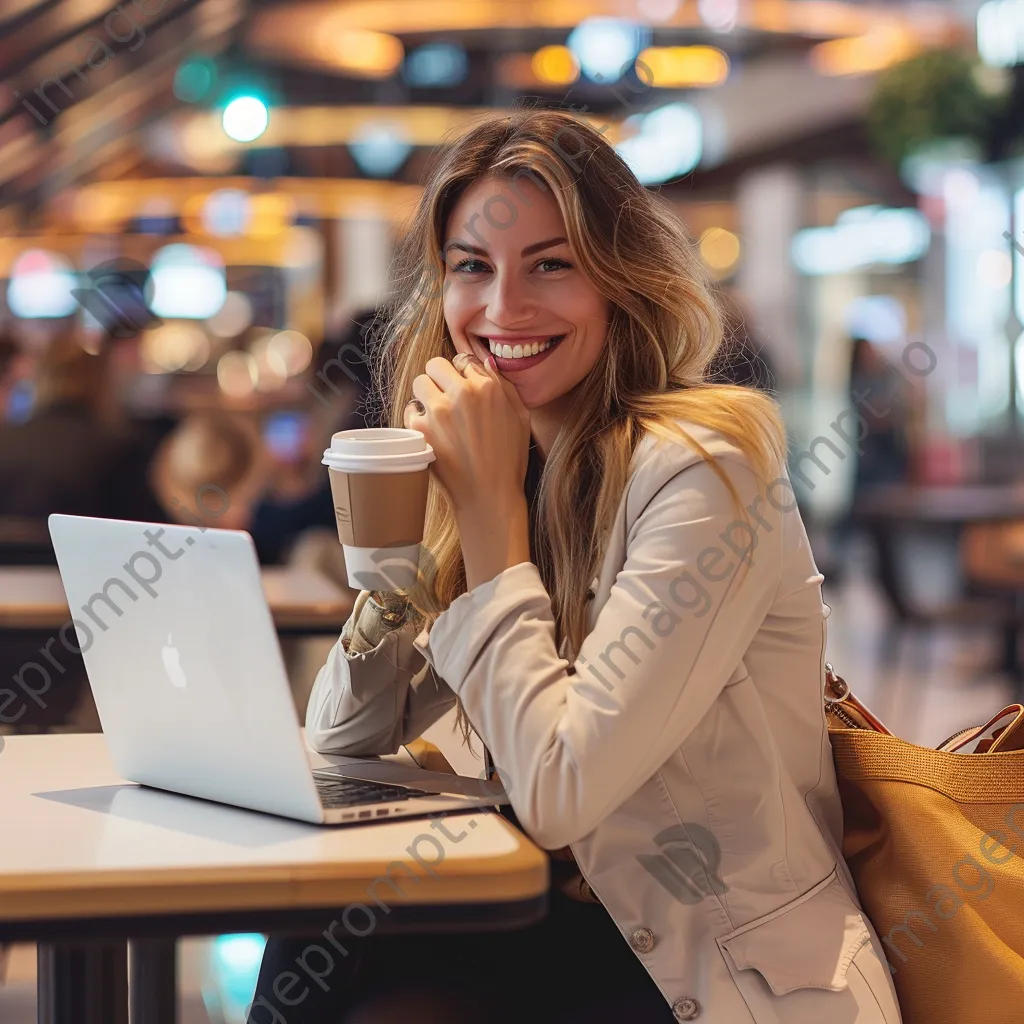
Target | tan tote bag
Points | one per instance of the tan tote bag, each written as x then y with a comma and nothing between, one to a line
935,842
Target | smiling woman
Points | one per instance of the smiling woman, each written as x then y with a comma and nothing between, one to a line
619,605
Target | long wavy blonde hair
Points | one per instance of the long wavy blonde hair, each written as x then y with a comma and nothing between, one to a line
665,328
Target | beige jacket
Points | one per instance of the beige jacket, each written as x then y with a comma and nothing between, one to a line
686,759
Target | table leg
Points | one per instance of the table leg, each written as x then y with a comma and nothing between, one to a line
82,984
154,981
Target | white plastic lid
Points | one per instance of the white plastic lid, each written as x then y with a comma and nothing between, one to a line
378,449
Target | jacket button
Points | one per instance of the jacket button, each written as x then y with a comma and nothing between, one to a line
686,1009
642,940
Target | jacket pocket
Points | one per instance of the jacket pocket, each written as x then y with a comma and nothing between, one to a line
791,965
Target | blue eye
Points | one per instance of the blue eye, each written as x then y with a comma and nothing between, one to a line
468,262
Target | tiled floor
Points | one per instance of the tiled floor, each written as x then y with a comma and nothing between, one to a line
933,685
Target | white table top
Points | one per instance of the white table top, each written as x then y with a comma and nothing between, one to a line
78,841
33,598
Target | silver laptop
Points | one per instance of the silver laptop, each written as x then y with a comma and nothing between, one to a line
192,694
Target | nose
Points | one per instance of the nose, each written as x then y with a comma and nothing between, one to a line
509,303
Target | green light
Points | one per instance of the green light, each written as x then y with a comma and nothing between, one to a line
194,79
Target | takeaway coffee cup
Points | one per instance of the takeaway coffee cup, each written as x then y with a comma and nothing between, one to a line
379,484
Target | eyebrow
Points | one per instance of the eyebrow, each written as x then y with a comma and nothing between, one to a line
528,251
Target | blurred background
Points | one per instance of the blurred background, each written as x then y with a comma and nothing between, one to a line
198,205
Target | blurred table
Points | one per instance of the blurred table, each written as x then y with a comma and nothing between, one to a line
95,862
892,508
301,601
949,506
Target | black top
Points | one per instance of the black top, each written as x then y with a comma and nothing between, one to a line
535,466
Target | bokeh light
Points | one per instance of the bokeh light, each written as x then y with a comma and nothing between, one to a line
436,65
555,65
227,212
233,317
363,53
245,119
719,15
679,67
187,282
193,81
380,149
174,346
995,268
605,47
657,10
720,249
42,285
668,143
291,351
237,374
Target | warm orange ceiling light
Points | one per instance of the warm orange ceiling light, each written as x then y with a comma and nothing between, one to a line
555,65
861,55
677,67
295,23
360,52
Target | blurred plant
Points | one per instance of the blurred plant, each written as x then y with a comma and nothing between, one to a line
939,94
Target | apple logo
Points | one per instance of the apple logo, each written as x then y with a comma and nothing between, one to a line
172,664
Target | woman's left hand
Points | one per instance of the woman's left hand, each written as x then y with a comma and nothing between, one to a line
480,432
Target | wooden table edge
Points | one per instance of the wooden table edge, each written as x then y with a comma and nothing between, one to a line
520,875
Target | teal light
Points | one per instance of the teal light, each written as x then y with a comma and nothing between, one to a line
234,967
194,80
245,118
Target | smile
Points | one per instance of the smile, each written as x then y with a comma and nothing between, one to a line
521,355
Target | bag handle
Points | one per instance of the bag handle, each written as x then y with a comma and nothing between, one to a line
1003,732
845,708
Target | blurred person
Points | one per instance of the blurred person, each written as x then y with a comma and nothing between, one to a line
885,403
13,375
210,470
339,387
73,453
652,700
880,394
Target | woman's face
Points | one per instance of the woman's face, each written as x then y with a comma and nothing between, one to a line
513,289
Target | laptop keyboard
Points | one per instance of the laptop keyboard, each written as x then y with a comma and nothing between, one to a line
341,792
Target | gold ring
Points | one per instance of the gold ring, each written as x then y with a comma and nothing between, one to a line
463,360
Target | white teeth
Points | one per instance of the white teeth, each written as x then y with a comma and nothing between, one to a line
503,351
